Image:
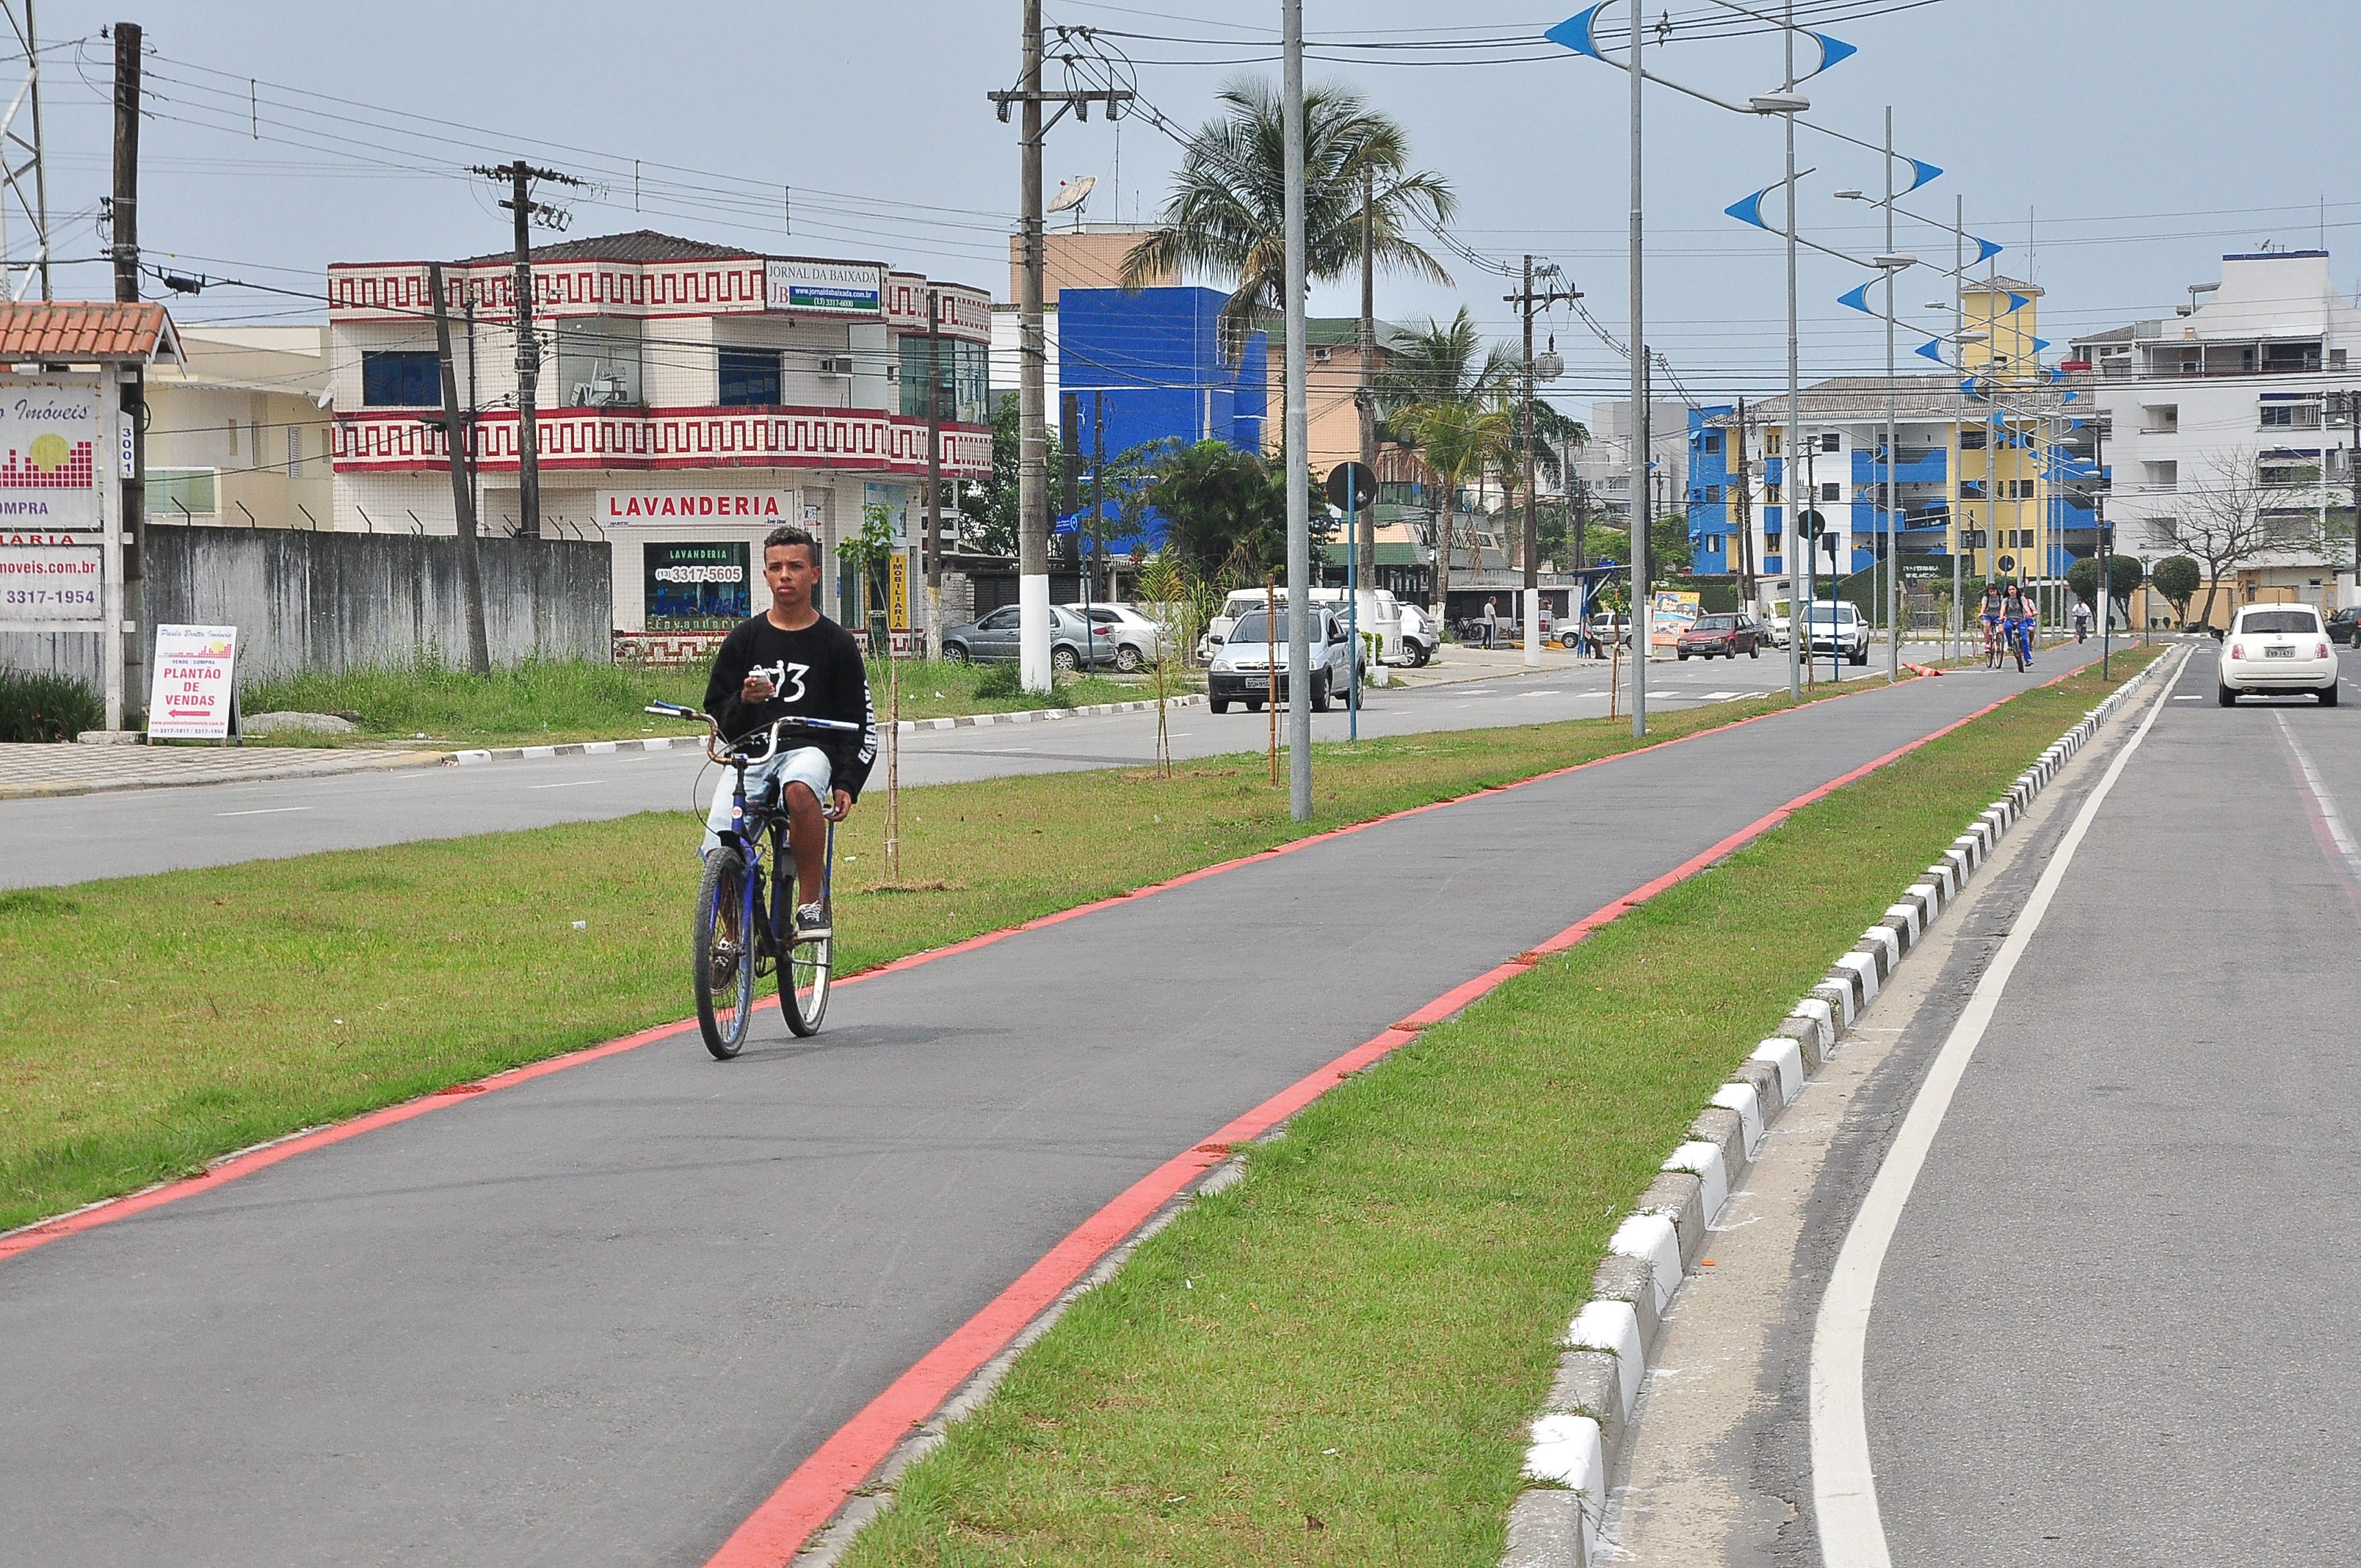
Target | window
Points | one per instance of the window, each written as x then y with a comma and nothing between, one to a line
1771,495
2336,359
176,493
598,362
964,375
1829,442
398,378
2303,622
2286,356
1713,440
1971,439
1832,493
2163,475
295,450
750,376
2018,490
999,620
2291,416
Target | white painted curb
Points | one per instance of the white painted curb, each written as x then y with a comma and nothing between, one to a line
1575,1448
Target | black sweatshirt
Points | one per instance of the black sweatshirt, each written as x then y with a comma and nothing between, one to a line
815,673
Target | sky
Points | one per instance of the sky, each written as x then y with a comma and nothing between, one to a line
2117,147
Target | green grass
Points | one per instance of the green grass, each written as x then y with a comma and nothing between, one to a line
161,1021
1335,1360
549,702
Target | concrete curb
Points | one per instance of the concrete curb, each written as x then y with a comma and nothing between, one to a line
1580,1431
907,727
268,775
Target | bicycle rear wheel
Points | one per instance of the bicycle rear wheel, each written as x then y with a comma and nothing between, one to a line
720,957
804,967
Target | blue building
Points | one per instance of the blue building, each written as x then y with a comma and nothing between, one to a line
1152,360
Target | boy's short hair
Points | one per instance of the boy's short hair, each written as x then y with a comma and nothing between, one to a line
792,534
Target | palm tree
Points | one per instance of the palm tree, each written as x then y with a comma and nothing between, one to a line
1226,215
1557,437
1445,396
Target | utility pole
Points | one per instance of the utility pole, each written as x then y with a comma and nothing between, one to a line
458,436
1294,454
1032,353
1892,456
521,177
1798,606
1365,398
934,473
1527,301
133,381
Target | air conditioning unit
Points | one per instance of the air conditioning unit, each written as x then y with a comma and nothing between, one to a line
836,365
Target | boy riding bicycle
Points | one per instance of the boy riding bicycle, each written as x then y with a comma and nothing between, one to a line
793,661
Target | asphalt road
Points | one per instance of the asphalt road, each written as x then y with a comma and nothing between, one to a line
2115,1323
595,1317
71,839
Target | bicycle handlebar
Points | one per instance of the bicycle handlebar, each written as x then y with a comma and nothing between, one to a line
736,752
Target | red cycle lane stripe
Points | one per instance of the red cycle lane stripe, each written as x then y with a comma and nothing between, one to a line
817,1489
234,1166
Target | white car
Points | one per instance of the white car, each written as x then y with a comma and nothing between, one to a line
1121,633
1838,629
2277,648
1242,666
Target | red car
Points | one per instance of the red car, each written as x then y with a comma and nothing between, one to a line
1727,636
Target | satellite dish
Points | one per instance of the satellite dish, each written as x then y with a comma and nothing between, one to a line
1072,193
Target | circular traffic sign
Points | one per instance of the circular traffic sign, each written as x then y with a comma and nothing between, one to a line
1351,487
1811,524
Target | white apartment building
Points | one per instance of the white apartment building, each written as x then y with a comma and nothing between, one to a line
2225,401
690,398
1604,466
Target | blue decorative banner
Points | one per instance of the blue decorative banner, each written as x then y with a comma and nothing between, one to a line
1574,33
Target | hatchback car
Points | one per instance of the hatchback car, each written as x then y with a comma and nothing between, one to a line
994,639
1720,636
1839,628
2344,627
2276,648
1242,666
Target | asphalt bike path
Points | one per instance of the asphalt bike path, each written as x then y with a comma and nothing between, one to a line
2112,1325
75,838
599,1316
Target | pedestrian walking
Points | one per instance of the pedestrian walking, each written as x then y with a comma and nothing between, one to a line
1491,623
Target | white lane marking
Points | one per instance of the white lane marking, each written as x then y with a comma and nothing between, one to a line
1844,1481
2328,811
2190,697
263,811
569,784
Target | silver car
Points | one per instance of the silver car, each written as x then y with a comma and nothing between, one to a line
994,639
1241,670
1121,635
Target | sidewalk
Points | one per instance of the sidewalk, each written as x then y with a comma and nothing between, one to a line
28,771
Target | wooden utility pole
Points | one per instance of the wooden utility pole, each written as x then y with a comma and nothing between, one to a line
1527,301
132,379
934,473
521,177
1032,353
458,436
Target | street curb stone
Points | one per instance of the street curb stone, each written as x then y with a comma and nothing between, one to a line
1575,1442
906,727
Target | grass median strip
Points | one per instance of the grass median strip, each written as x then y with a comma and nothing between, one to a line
1334,1360
552,702
154,1022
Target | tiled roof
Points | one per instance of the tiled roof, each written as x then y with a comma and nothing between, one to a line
81,332
639,245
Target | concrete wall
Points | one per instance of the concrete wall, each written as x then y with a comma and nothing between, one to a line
338,601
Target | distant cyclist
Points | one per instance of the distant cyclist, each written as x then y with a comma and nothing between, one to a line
792,660
1991,613
2081,621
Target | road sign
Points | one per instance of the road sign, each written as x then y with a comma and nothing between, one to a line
1811,524
1351,487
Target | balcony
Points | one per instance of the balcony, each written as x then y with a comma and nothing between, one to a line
629,439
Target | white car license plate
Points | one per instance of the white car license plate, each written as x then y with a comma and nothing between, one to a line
2278,653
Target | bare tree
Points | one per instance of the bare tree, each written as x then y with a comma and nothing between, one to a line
2233,516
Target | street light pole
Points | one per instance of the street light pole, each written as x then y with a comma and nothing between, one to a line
1297,464
1798,623
1893,455
1639,345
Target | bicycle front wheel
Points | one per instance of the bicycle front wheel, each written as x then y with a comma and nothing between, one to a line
803,985
721,955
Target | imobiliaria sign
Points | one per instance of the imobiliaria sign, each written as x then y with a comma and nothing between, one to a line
49,472
623,508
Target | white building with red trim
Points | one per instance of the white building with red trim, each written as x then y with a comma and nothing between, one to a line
690,398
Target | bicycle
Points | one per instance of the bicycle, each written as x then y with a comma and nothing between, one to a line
724,962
